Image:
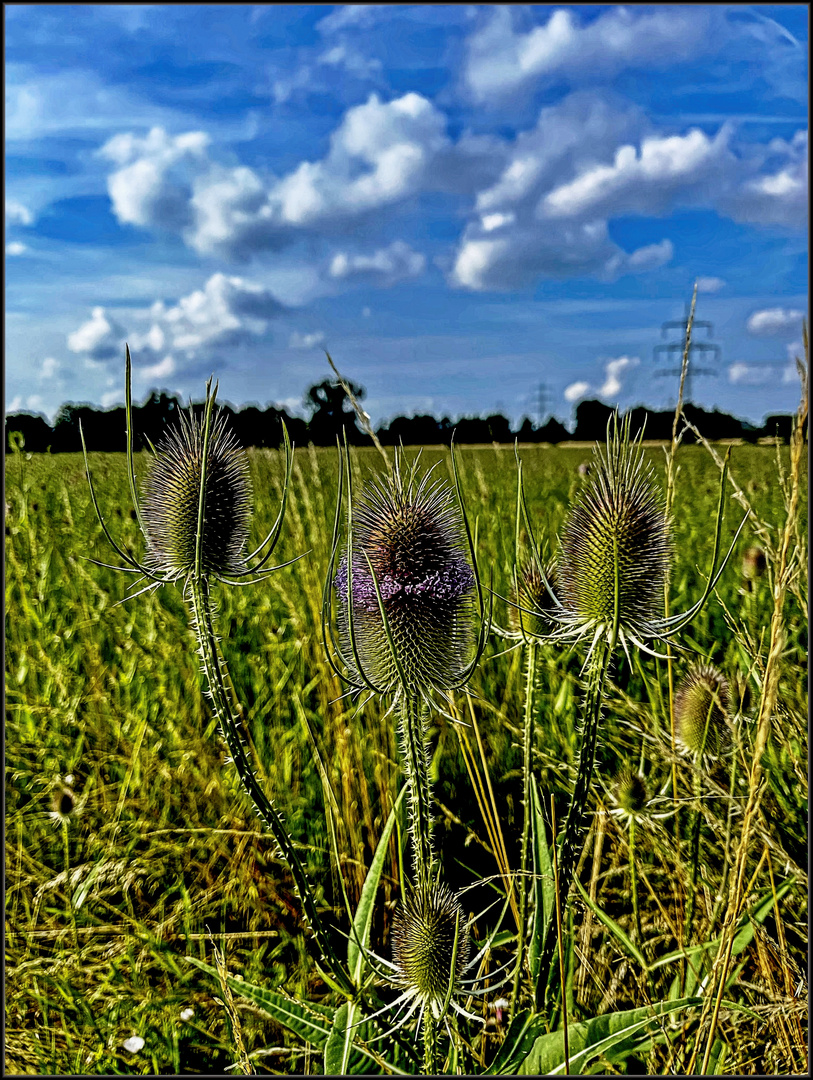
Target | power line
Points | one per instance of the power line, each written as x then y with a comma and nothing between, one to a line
695,346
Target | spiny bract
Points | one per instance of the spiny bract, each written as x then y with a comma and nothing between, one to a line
701,711
172,497
408,540
616,541
630,792
424,938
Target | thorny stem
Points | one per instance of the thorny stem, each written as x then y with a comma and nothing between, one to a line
599,664
527,736
634,882
217,679
429,1042
416,767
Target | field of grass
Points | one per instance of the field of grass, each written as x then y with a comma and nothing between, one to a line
161,855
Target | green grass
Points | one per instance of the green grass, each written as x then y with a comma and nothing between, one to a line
165,848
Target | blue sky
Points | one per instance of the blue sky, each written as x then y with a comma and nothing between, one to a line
460,203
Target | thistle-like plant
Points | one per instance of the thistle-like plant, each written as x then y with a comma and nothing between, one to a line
195,519
613,565
405,588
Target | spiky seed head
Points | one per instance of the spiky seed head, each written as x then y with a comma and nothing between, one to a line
423,943
172,495
701,711
411,534
631,794
531,602
754,563
618,526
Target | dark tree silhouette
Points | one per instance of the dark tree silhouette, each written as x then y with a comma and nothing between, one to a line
330,418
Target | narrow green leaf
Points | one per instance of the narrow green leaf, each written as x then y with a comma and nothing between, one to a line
613,927
544,890
311,1023
360,934
340,1040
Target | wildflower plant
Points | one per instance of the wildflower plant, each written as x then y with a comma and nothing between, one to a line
195,519
406,591
613,564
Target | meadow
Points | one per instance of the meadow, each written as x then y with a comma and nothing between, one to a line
130,845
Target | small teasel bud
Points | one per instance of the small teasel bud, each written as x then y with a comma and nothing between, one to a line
617,526
408,540
583,468
531,602
172,498
630,793
701,711
423,943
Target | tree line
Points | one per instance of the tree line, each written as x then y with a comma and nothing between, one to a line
332,416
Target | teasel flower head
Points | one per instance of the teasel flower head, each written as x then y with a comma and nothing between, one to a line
532,602
172,496
196,511
429,937
631,793
615,549
405,589
754,565
702,711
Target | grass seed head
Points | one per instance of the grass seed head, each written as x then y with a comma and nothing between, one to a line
172,495
408,539
424,936
617,523
701,711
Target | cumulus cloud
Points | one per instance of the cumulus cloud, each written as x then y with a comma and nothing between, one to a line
100,338
778,193
379,154
576,391
613,383
151,185
16,248
646,180
750,374
614,369
390,264
50,368
501,59
778,320
306,341
709,284
17,213
225,313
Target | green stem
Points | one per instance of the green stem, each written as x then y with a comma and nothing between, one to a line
634,883
429,1041
66,849
416,766
527,738
695,850
214,667
599,664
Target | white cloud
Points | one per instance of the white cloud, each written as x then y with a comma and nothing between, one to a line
391,264
366,312
16,248
778,193
709,284
750,374
490,222
100,338
305,341
576,391
226,312
776,320
151,187
17,213
349,15
643,259
647,181
613,385
50,367
501,59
